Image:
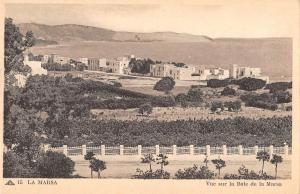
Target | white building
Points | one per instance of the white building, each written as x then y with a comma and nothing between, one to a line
95,64
211,73
36,66
241,72
36,69
83,60
45,59
119,65
170,70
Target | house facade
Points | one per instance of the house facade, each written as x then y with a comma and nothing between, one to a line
241,72
119,65
36,69
170,70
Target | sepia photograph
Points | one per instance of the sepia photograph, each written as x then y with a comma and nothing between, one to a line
148,91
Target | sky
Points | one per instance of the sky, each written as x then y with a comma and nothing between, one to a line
247,19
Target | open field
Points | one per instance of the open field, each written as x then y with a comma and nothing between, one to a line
174,113
126,168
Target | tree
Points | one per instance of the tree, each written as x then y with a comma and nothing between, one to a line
97,166
162,160
140,65
263,156
145,108
148,159
219,164
90,156
206,160
15,44
55,165
275,160
166,84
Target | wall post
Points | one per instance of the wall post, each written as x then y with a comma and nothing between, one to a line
224,150
83,148
191,149
174,149
157,149
102,150
121,150
240,150
256,149
208,150
65,150
139,150
271,148
286,150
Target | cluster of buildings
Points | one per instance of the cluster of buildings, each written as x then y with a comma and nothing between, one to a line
120,65
203,73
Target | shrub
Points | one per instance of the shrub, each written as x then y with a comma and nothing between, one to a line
195,173
166,84
195,95
117,84
55,165
217,106
282,97
289,108
265,101
244,173
158,174
216,83
263,104
251,84
145,108
278,86
227,91
233,105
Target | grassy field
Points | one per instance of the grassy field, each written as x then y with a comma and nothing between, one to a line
174,113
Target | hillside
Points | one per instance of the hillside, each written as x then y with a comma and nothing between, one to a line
72,33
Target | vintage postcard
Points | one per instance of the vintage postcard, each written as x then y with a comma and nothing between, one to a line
150,97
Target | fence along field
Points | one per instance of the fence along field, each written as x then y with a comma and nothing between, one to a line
168,150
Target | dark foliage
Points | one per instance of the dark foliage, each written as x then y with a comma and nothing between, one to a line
233,105
278,86
158,174
227,91
15,166
244,173
231,131
251,84
195,173
145,109
216,83
266,100
217,106
166,84
141,66
282,97
55,165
